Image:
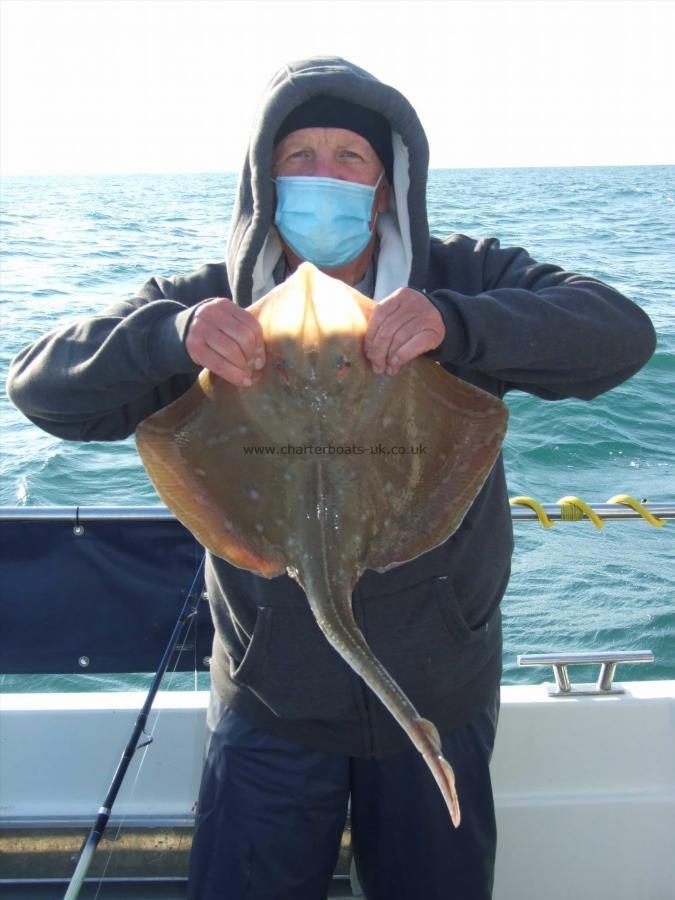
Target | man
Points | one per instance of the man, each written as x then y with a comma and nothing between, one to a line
336,174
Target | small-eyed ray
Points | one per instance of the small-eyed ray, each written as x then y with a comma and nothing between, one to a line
324,469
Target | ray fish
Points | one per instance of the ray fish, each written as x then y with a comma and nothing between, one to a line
353,470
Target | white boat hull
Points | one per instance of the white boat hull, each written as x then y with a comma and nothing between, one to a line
584,787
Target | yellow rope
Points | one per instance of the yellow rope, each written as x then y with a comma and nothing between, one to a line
573,509
626,500
537,507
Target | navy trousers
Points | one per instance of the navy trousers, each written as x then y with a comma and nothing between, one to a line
271,814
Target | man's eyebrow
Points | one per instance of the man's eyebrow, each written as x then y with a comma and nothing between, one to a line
356,142
295,144
280,152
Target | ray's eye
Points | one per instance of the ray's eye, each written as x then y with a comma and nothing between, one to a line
280,366
343,366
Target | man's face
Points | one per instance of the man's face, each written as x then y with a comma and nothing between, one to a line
331,153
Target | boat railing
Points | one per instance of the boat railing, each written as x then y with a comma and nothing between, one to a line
523,509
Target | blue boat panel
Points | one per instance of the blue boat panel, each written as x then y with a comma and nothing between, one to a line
111,594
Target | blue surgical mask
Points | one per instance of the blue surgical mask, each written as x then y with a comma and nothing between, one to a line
324,221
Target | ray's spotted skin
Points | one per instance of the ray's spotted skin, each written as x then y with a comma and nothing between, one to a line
250,472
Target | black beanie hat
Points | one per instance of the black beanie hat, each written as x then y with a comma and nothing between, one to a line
333,112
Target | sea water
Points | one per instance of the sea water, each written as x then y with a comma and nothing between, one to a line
73,245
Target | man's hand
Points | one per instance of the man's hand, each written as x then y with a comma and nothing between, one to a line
227,340
404,325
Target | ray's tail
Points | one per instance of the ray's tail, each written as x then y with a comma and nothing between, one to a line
342,632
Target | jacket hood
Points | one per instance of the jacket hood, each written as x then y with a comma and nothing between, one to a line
254,247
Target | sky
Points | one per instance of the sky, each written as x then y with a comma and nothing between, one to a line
114,86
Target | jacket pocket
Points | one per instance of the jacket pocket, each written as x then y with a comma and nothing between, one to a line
254,657
292,668
422,636
451,613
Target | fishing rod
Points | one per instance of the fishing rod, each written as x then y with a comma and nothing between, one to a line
188,611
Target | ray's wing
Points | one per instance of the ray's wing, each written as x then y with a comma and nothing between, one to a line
438,439
200,455
431,441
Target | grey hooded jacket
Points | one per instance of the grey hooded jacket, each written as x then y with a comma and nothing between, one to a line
511,323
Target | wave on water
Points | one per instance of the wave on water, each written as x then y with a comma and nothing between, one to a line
48,292
77,474
98,216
